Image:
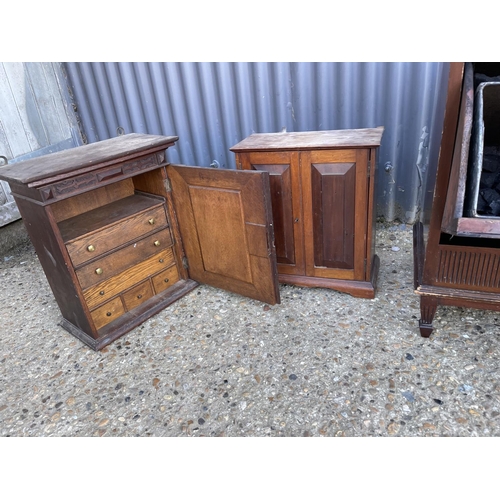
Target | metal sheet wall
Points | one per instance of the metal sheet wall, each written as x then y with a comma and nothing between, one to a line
212,106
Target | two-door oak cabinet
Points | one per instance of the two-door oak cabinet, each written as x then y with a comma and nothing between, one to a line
322,191
121,234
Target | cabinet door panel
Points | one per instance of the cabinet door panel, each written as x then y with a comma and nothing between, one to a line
225,223
335,192
280,181
333,188
283,169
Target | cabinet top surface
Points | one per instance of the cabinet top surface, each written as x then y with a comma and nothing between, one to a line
324,139
63,163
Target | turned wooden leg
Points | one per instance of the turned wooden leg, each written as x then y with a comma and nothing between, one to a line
428,306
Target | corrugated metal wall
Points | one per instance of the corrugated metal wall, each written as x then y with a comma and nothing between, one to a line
212,106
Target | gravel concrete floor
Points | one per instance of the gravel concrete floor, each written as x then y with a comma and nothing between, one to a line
321,363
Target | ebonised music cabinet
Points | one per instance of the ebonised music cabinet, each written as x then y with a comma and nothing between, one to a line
458,264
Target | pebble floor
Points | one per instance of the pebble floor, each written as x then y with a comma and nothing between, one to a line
321,363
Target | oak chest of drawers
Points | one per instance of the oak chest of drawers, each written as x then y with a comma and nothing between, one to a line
121,234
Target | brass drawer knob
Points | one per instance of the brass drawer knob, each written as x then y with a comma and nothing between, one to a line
108,314
98,270
161,261
91,248
157,243
151,221
139,296
166,280
101,292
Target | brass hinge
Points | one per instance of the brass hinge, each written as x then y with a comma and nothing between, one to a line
168,186
185,262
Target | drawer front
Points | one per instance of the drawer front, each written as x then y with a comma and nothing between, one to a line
102,269
137,295
93,245
108,312
92,180
101,292
165,279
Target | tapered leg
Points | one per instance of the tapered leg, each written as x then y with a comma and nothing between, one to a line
428,306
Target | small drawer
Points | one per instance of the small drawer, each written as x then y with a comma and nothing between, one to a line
102,292
107,312
99,242
137,295
93,180
165,279
113,264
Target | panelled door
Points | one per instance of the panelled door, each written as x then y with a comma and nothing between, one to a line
226,227
36,118
335,197
284,176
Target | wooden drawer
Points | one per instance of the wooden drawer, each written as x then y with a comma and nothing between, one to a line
165,279
98,242
108,312
102,292
92,180
116,262
137,295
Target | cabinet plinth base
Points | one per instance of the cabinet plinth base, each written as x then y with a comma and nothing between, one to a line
358,289
132,319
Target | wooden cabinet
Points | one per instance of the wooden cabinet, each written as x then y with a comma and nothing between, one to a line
121,234
322,195
458,264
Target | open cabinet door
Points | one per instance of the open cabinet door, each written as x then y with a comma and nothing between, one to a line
225,220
